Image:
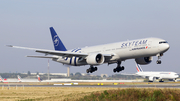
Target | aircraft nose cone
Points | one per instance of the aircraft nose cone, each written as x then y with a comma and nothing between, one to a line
167,47
164,47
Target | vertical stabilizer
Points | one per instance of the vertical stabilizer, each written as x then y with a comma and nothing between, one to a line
138,67
1,79
19,78
58,45
39,79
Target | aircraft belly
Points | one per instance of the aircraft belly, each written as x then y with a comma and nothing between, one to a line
125,54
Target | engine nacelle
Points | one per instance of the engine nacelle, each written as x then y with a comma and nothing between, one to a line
151,78
144,60
95,59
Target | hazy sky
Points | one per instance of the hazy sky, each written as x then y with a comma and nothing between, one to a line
81,23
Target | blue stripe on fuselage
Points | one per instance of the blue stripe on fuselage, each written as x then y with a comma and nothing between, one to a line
70,61
77,50
74,50
66,58
75,61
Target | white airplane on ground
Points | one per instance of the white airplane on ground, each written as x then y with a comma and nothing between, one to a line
29,80
4,80
152,76
141,50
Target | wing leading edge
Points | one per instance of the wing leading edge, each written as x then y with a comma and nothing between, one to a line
52,52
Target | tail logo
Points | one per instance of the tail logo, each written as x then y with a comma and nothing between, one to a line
56,41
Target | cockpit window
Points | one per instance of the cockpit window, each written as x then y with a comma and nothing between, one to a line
163,42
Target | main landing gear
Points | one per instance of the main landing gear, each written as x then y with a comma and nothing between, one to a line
91,69
118,68
159,56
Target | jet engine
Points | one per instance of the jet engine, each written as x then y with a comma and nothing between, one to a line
95,59
144,60
151,78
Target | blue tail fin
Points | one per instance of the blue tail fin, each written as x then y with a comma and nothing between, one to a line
58,45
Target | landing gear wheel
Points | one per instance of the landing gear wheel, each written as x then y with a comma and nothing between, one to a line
87,70
122,67
161,81
118,68
91,69
114,70
158,61
95,68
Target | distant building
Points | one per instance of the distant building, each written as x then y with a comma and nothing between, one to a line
104,75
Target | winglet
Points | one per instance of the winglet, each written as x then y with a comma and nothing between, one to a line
9,45
138,67
58,45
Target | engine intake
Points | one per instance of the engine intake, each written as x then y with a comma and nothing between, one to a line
144,60
95,59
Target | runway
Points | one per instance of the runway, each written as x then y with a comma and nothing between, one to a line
101,86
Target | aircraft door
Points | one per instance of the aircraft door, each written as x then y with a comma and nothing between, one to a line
149,45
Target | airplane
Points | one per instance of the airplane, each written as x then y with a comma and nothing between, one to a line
152,76
4,80
142,50
28,80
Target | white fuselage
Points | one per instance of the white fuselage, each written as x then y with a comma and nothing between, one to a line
158,75
120,51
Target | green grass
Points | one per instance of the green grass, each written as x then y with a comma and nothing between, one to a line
132,94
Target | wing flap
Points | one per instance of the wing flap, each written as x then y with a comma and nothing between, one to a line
62,53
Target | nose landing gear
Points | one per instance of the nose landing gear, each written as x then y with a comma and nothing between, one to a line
158,61
159,56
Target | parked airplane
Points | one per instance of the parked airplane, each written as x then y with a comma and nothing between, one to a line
4,80
28,80
141,50
152,76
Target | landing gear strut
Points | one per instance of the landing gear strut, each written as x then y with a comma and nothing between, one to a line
91,69
159,56
118,68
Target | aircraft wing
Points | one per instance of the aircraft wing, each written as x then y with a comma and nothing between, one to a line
54,57
58,53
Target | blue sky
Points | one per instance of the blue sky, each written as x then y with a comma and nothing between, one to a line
81,23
